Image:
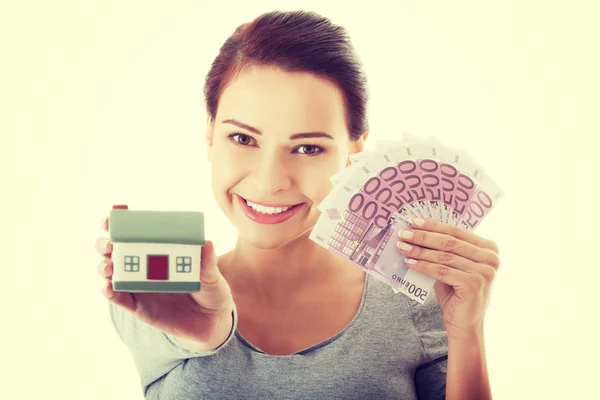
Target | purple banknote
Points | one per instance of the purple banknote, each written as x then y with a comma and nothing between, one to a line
382,189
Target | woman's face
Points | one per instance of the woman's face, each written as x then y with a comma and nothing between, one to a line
276,166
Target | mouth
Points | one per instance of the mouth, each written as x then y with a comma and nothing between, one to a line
268,214
270,205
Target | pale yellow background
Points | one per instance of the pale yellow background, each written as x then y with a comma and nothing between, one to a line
101,104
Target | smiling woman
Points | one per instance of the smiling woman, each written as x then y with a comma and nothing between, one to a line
280,128
286,102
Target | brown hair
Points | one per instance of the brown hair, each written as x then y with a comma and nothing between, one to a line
294,41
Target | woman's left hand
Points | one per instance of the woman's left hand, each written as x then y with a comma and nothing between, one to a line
464,266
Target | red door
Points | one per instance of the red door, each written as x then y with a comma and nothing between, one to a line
158,268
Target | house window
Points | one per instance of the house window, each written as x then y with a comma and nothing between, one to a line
184,264
132,263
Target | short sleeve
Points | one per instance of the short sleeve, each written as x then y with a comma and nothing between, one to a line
154,352
430,376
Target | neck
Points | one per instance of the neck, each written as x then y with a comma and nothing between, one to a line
271,275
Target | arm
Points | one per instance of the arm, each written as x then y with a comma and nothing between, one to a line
467,370
226,329
154,352
464,266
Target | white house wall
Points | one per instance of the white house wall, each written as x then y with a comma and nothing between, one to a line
120,250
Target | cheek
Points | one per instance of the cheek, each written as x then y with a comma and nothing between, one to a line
315,184
226,171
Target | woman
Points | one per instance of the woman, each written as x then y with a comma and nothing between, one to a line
279,316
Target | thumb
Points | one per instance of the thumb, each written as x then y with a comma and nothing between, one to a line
209,270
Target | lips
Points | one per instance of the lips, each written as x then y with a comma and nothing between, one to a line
267,218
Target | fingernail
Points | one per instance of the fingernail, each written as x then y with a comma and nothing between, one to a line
405,246
101,267
406,234
417,222
410,261
104,290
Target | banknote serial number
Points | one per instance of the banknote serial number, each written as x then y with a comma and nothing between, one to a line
411,288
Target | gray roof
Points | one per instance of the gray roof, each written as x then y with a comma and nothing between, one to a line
172,227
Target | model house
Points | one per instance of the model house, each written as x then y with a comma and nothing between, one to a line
156,251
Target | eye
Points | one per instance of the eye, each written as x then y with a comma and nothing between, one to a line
247,137
313,150
245,140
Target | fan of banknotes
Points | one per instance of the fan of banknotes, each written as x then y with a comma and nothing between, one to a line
380,191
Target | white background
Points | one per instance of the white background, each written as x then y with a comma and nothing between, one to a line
101,103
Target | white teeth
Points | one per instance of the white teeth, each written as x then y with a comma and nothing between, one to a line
267,210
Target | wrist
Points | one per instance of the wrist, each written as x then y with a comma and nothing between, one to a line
227,326
472,334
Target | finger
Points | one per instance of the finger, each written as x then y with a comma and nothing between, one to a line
215,295
104,224
123,299
104,246
436,256
105,269
209,271
456,231
439,272
449,259
464,285
449,244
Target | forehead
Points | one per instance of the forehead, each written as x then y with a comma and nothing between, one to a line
269,99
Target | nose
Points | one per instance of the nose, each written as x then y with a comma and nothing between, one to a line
272,175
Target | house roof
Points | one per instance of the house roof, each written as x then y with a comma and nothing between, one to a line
172,227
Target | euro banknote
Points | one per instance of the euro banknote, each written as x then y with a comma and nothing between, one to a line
377,194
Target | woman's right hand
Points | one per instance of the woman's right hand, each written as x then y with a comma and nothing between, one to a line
200,321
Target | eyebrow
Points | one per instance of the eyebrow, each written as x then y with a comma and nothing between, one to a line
300,135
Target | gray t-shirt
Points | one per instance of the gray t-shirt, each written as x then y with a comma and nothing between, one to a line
394,348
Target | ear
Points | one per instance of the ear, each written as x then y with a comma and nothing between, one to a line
209,136
357,146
